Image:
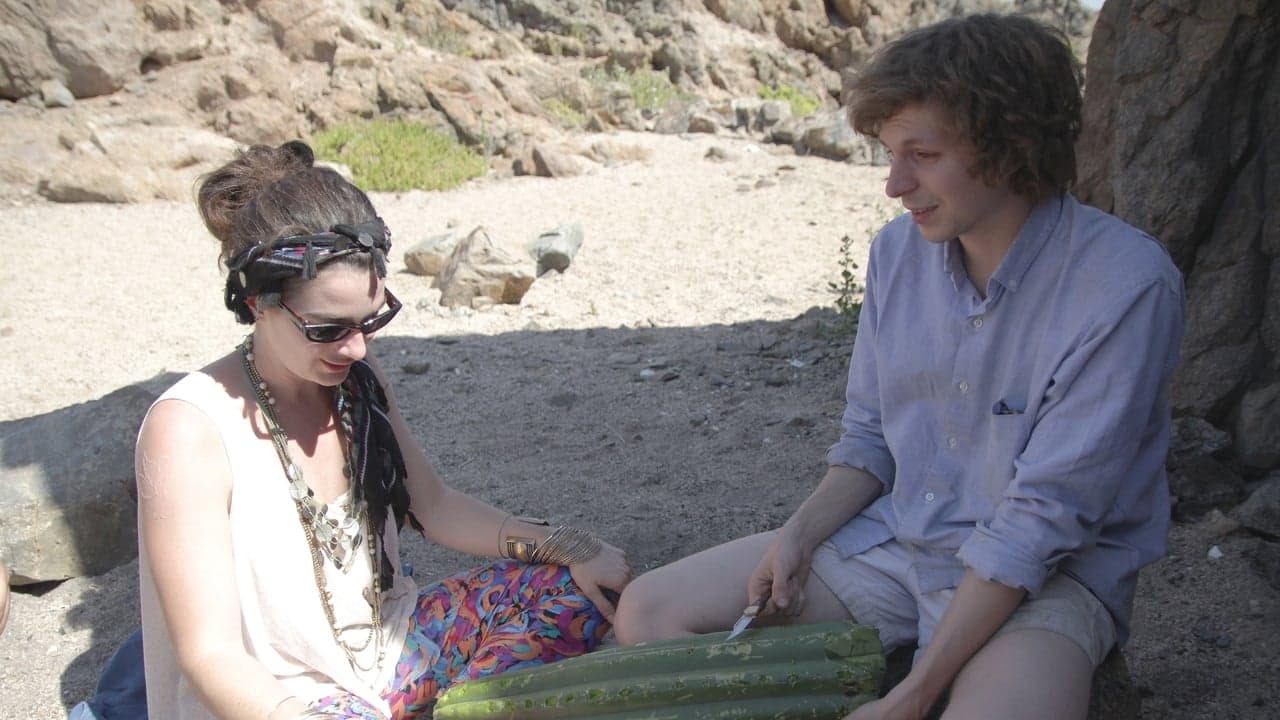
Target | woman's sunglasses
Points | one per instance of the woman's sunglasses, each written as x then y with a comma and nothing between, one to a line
333,332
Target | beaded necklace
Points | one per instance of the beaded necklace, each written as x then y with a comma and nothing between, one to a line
326,537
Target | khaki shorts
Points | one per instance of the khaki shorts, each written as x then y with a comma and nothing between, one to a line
879,589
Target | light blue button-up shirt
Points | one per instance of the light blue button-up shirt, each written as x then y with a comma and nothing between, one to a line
1025,433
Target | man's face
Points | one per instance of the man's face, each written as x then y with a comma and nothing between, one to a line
929,173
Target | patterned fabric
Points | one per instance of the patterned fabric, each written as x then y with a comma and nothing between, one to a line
477,623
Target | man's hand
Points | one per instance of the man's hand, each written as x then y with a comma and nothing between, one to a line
780,576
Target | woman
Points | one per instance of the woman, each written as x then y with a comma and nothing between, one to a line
272,483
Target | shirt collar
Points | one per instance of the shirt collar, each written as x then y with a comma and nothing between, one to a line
1031,239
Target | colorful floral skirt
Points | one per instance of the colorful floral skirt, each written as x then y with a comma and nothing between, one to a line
479,622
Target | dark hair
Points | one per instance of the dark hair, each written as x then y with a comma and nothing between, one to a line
1010,84
267,193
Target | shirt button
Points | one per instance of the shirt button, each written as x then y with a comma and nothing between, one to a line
952,442
964,387
928,497
977,322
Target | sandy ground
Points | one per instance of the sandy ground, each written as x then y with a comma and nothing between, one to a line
676,388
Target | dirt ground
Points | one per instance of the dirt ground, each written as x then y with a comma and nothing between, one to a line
675,388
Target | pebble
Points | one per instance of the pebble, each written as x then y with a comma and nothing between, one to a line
416,368
777,379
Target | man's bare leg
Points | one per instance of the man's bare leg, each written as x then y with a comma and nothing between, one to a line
1021,675
706,592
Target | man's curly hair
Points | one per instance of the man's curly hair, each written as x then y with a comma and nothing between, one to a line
1011,85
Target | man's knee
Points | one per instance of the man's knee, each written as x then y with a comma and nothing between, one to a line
1023,674
640,613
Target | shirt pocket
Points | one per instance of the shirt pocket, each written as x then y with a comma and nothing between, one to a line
1006,437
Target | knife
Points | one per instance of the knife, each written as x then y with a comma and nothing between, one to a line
748,615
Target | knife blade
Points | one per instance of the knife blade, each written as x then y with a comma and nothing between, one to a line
749,614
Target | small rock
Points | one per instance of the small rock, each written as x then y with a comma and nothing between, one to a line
1265,557
416,367
555,248
703,123
1215,553
56,95
715,153
718,380
430,256
622,358
549,162
800,421
1218,524
669,375
1261,512
777,379
480,273
1196,436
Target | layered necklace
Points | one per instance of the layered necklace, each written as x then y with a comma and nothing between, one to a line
334,539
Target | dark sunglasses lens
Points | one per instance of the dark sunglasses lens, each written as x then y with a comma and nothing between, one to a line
374,324
327,333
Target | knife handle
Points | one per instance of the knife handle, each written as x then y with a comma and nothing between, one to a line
757,607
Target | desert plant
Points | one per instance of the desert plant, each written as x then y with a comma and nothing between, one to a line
814,671
650,89
848,290
567,115
399,154
802,104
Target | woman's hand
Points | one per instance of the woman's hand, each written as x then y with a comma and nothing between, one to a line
903,702
608,569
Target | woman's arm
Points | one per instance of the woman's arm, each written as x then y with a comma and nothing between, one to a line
461,522
449,517
4,597
184,493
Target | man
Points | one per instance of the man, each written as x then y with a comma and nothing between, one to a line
1000,477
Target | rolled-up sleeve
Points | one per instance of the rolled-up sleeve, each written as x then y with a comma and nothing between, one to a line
862,444
1093,433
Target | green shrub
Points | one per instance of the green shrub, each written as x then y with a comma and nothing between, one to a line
564,113
393,155
446,40
848,291
651,89
802,103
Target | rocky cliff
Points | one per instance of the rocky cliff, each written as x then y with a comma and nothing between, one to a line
1182,139
132,101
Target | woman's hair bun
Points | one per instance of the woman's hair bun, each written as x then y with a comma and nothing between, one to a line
301,151
223,193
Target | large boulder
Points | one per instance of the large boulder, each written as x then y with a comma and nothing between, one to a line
133,163
66,487
1182,139
90,53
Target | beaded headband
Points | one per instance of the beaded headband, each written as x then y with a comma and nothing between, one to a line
259,267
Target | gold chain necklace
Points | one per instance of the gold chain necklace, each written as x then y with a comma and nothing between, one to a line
323,533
